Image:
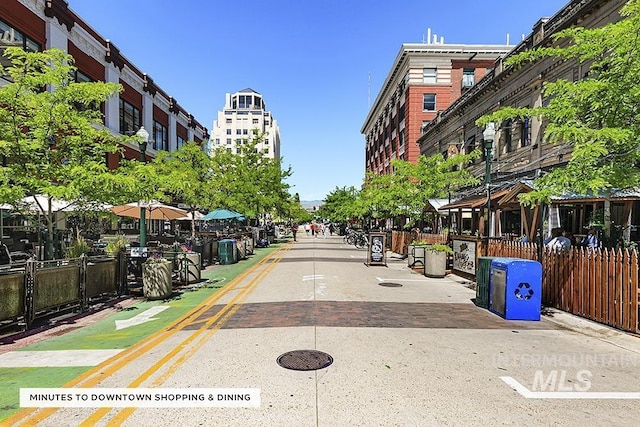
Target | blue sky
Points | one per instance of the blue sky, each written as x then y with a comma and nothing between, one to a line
317,64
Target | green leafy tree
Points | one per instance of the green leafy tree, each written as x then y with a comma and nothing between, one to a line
249,182
50,138
598,116
186,175
378,197
408,189
430,177
341,205
295,212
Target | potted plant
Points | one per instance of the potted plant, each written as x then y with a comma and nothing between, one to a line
78,248
156,278
116,245
436,260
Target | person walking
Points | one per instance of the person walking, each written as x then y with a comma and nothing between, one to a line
313,229
590,240
294,230
559,241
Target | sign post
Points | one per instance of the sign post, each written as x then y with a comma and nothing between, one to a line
376,253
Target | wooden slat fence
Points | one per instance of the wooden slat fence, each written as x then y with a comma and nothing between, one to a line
401,239
511,249
600,285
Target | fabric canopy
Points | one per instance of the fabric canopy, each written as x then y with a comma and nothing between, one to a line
32,204
154,210
222,214
191,215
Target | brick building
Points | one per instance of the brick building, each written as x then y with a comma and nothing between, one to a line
40,25
425,78
519,151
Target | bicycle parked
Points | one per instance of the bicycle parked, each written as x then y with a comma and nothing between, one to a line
356,238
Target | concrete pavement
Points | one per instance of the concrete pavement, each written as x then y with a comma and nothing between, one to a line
419,354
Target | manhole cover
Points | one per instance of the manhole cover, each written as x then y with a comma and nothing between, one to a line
390,285
305,360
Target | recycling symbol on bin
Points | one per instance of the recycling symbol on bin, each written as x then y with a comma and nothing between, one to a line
523,291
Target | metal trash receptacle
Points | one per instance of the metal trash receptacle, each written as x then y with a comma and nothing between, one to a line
227,251
250,245
515,288
415,256
483,275
241,248
190,267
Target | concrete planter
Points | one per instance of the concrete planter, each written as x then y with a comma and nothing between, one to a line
156,279
435,264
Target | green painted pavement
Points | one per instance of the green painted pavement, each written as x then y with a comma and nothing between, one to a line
103,335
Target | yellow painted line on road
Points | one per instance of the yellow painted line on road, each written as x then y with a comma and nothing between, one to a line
211,327
112,365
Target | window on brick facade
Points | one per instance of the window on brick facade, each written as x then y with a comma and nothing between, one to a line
429,75
10,36
129,117
429,102
425,123
468,77
160,136
525,132
506,136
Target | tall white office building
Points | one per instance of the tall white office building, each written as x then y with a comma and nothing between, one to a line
244,113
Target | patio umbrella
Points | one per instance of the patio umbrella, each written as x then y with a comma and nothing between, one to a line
155,210
222,214
30,204
192,215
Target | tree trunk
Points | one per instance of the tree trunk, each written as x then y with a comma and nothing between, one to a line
48,243
607,215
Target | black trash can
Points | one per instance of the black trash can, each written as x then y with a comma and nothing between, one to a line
483,275
227,251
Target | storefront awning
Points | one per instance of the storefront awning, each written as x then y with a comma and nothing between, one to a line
512,195
474,201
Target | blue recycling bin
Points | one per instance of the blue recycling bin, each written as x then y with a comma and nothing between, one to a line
515,288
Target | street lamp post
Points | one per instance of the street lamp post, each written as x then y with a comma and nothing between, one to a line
144,138
488,136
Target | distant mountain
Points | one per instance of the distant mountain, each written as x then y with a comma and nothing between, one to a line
308,204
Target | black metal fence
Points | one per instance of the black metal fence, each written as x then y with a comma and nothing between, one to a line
36,288
33,289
